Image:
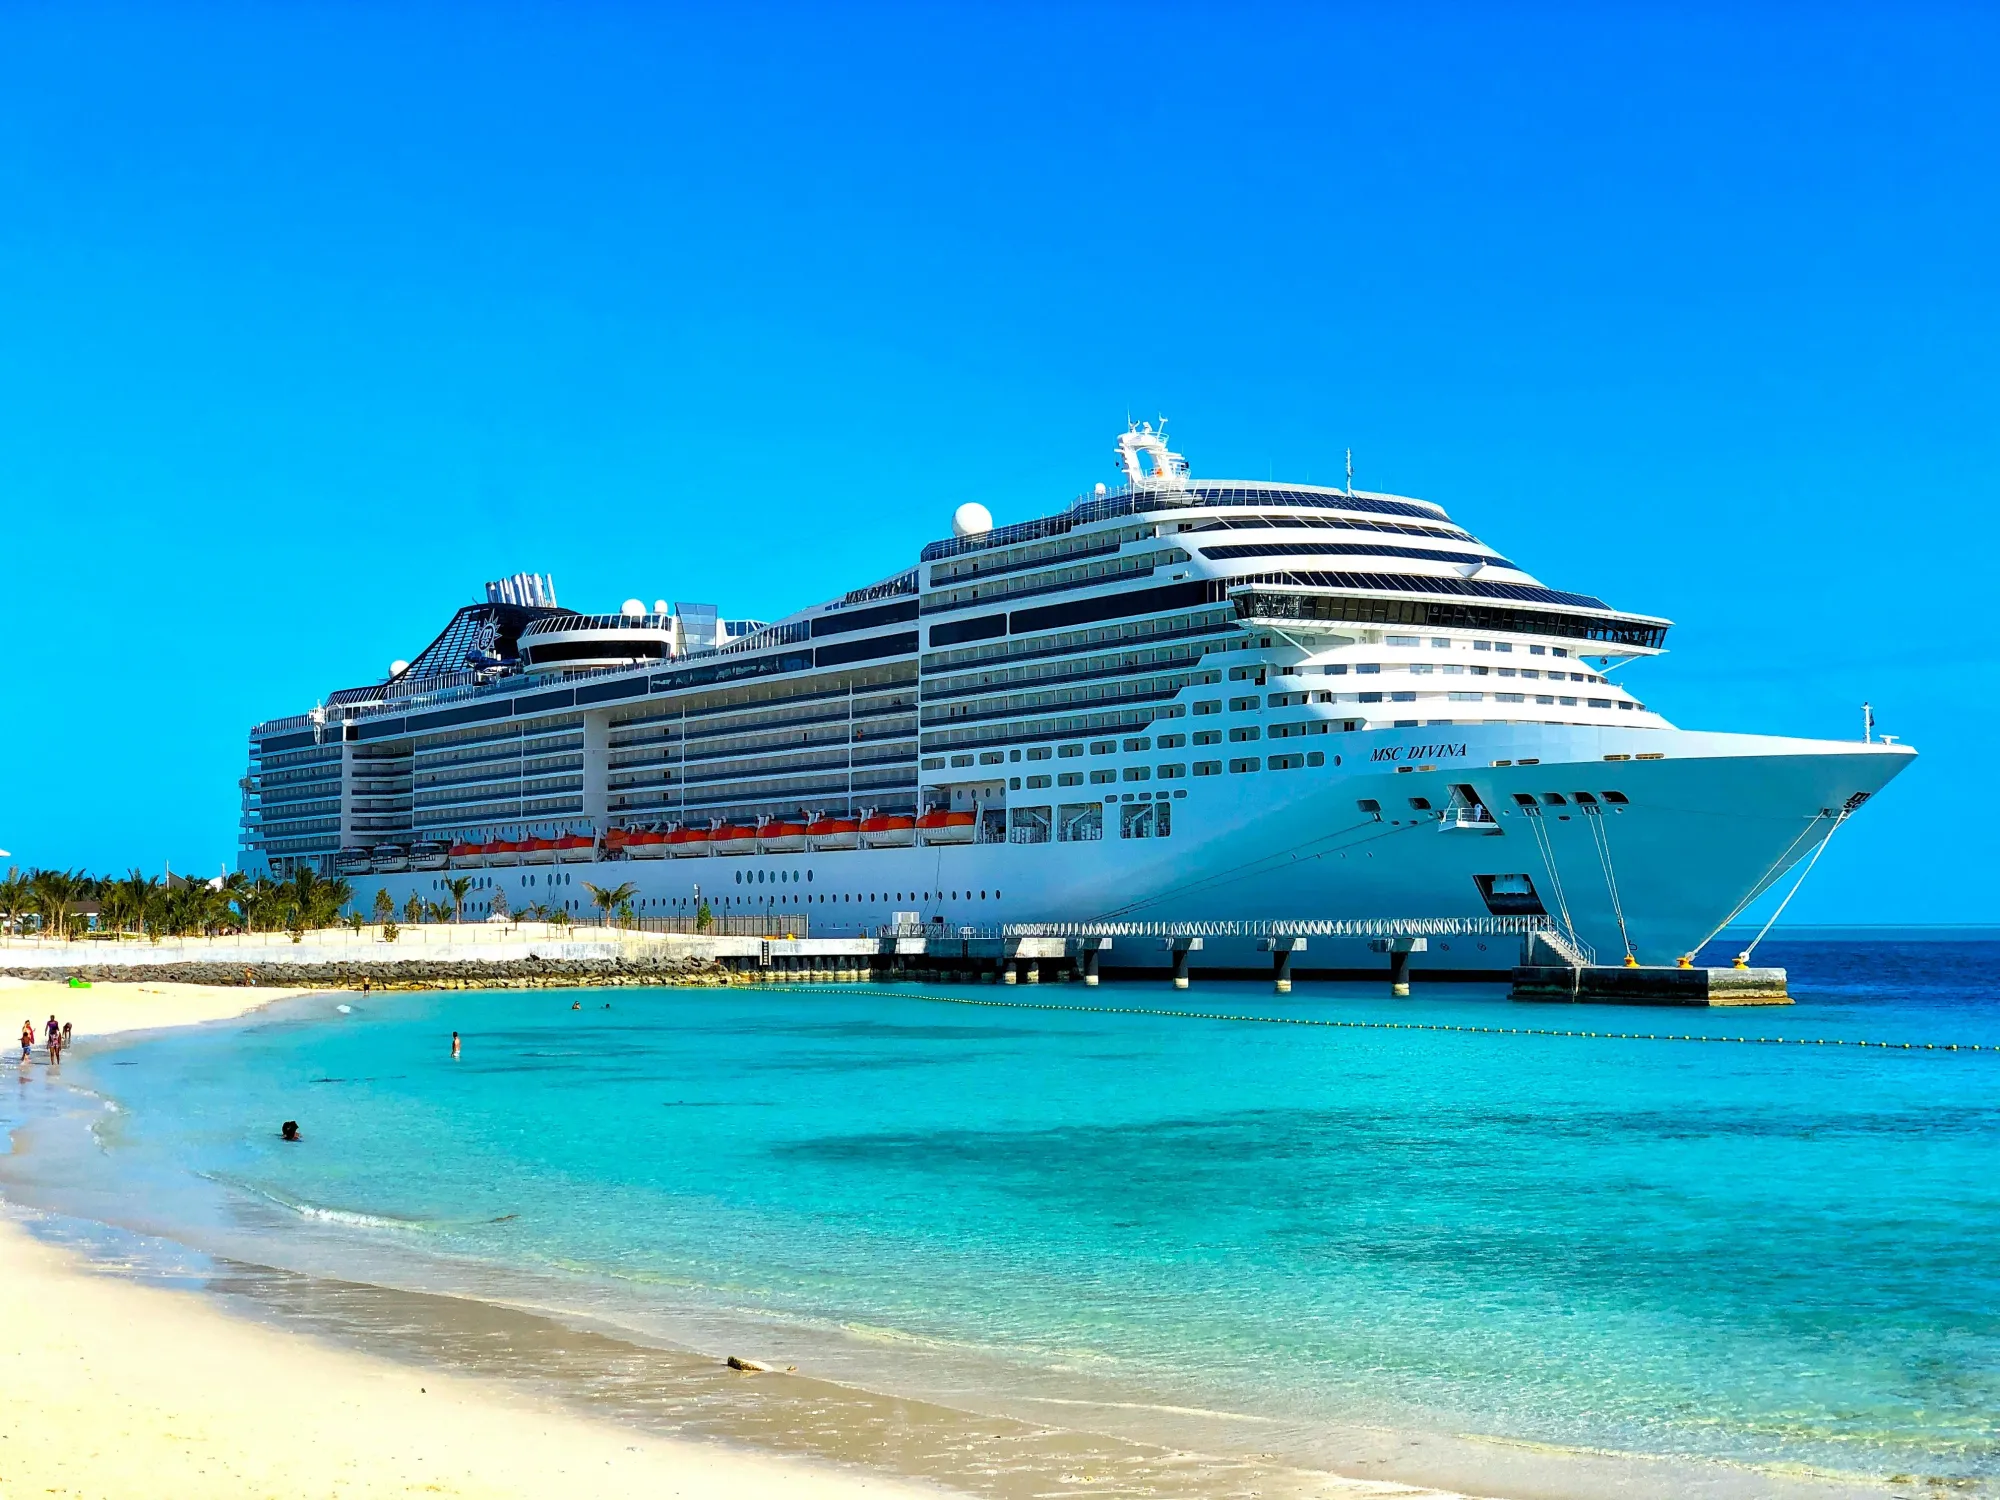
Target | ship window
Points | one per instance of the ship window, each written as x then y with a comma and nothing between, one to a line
1036,783
1248,763
1441,643
1453,669
1243,705
1244,733
1584,799
1618,797
1625,703
1103,747
1172,769
1466,697
1538,651
1545,698
1403,640
1080,822
1013,755
1560,650
1369,668
1069,752
991,758
1208,768
1528,672
961,760
1315,757
1507,698
1138,773
1369,805
1526,799
935,763
1171,741
1099,778
1371,697
1420,669
1013,783
1402,697
1482,645
1139,744
1503,645
1335,669
1287,762
1421,804
1209,706
1208,737
1070,778
1555,799
1145,820
1039,752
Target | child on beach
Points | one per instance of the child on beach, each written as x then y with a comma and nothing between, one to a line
27,1039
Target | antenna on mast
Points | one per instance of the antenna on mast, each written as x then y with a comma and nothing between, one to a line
1867,723
1350,471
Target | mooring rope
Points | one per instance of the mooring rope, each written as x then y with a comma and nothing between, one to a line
1601,836
1203,1015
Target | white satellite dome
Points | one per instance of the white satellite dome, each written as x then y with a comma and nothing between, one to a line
632,608
398,668
659,606
970,519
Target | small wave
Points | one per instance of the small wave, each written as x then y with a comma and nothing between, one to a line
321,1213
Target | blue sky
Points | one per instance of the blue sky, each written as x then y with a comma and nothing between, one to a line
316,317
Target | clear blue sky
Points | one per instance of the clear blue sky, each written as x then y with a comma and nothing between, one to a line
316,317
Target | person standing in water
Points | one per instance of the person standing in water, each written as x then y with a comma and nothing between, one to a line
454,1046
27,1039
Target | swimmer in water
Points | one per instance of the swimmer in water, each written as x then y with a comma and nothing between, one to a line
289,1130
454,1044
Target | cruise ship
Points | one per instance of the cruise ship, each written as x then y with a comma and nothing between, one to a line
1177,700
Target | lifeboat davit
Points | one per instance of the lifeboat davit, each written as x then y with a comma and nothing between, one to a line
733,838
685,841
537,851
833,833
779,837
887,831
940,827
574,846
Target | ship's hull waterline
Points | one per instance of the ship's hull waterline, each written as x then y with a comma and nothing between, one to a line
1707,819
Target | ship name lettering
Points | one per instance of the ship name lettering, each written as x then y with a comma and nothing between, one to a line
1420,752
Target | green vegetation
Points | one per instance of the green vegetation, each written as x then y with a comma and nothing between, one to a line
62,903
611,899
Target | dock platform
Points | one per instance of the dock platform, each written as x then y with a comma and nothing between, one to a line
1649,984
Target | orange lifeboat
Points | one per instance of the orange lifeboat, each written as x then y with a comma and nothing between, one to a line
833,833
505,849
574,846
462,853
646,843
940,827
887,831
733,838
537,851
780,837
614,838
684,841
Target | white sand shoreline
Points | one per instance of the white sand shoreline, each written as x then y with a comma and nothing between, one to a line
120,1390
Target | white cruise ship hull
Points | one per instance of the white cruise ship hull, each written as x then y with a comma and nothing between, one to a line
1708,821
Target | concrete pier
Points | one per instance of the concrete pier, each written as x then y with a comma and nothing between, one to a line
1649,984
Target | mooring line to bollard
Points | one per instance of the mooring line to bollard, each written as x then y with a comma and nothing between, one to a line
1203,1015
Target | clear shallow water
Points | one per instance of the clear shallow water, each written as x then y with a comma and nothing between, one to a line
1769,1256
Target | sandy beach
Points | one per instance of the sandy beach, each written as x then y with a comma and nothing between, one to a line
115,1389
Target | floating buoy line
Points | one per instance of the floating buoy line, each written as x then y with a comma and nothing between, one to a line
1207,1015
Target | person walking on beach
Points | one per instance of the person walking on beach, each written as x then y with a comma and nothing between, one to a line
54,1033
27,1039
55,1044
67,1036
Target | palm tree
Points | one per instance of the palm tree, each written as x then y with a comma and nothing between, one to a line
132,899
385,905
55,891
458,888
609,898
16,900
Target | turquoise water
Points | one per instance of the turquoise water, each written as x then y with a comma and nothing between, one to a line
1766,1255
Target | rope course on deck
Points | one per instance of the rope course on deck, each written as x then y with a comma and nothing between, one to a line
1614,1036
